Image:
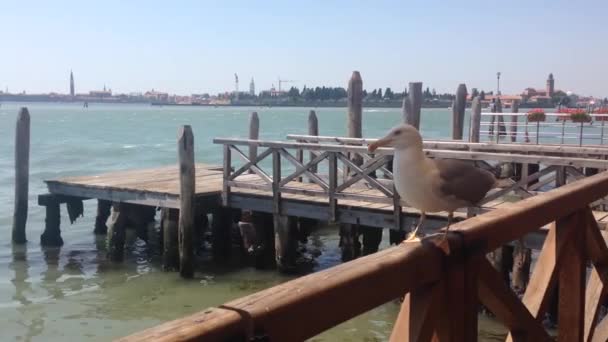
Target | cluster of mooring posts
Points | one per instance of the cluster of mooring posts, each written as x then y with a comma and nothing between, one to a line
282,189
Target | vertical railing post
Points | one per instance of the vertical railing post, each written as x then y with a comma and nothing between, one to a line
475,120
185,143
458,109
333,184
22,172
300,158
457,320
572,278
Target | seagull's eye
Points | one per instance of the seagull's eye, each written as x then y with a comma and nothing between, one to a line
397,132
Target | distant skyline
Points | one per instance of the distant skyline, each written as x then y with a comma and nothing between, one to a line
197,46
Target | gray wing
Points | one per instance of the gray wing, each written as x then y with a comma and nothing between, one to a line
463,180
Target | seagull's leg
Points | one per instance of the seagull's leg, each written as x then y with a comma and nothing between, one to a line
413,236
447,228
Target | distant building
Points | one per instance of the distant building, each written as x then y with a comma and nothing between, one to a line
549,90
101,93
156,96
71,84
252,87
550,85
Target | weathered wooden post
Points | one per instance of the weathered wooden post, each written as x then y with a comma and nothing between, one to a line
522,259
355,110
117,231
51,237
458,108
514,110
475,119
307,224
185,148
254,134
264,256
284,232
221,232
412,104
103,212
349,237
169,224
410,111
22,174
355,105
313,129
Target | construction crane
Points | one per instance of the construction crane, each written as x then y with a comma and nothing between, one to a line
284,81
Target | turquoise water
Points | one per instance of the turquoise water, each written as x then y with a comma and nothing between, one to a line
73,292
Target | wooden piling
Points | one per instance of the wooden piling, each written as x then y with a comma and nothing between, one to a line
51,237
22,171
285,228
458,108
254,134
103,212
502,260
349,238
514,109
306,224
349,242
355,105
313,129
117,232
522,259
169,224
372,237
185,143
221,229
412,104
263,223
355,110
475,120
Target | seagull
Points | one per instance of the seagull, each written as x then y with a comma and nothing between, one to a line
432,185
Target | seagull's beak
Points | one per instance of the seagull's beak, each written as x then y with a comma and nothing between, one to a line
379,143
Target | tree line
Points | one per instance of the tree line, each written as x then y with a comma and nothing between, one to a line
339,93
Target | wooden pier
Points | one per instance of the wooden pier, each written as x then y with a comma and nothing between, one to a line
280,187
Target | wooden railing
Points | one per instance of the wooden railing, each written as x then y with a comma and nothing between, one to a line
334,185
443,291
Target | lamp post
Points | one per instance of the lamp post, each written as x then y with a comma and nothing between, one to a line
498,83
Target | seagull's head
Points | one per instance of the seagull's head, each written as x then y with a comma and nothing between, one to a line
401,137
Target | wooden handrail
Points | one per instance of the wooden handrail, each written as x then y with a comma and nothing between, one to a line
324,298
467,146
389,273
465,155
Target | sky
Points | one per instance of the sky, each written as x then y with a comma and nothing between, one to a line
187,47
